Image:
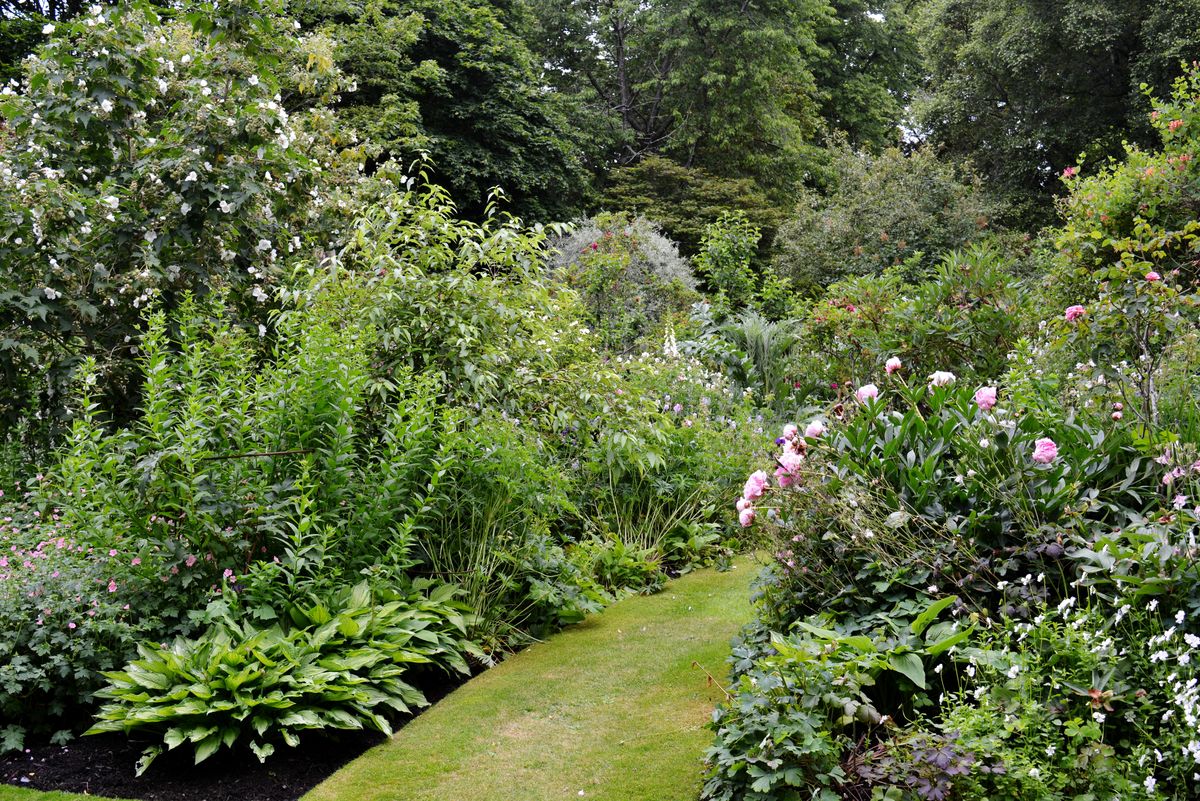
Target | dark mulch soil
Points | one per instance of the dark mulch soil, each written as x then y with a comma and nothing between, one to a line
103,765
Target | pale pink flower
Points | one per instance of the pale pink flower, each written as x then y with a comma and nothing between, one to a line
743,504
790,431
1117,416
112,585
1074,313
892,365
1045,451
985,398
789,466
190,561
755,485
746,517
1153,276
1070,172
867,392
941,379
815,429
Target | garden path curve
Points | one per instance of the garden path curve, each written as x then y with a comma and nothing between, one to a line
611,710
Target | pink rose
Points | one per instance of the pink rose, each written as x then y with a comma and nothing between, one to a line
1174,125
893,364
746,517
1074,313
867,392
985,398
1070,172
1153,276
755,485
790,431
1045,451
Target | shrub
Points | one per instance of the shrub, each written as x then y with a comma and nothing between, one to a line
886,210
339,665
68,610
631,278
147,159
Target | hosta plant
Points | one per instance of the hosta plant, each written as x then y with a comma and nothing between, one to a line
342,667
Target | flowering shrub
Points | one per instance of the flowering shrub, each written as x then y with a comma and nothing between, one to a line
68,610
147,158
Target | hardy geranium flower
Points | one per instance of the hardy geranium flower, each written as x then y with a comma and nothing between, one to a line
815,429
893,364
755,485
1045,451
1074,313
942,379
867,392
985,398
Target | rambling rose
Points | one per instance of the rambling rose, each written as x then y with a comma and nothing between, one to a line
1074,313
1045,451
1153,276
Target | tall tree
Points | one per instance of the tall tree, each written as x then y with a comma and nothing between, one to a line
1022,87
453,78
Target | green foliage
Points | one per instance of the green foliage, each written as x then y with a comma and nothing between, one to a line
724,261
455,80
1021,88
887,210
340,665
146,159
68,610
685,200
630,278
965,318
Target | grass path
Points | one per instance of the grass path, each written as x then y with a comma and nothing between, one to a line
610,710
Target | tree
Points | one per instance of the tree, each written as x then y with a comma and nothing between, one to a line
452,78
1022,87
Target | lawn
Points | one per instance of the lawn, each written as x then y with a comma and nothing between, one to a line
612,709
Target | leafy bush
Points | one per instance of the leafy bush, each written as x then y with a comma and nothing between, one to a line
885,210
339,665
630,277
68,610
145,159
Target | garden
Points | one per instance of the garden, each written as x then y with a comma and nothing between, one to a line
451,400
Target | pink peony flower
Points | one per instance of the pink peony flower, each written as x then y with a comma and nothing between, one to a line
112,585
892,365
1045,451
867,392
1074,313
743,504
755,485
746,517
784,478
815,429
790,431
1153,276
985,398
1117,416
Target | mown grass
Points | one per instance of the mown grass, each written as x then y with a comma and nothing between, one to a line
611,710
10,793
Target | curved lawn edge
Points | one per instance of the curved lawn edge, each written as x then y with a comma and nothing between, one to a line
11,793
610,709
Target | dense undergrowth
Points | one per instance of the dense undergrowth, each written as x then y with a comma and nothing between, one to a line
288,441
